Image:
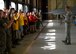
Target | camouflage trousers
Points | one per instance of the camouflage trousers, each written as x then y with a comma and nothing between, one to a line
2,40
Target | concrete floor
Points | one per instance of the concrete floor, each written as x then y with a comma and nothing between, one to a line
50,40
27,41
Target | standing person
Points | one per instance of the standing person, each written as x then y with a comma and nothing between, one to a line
2,35
7,25
32,21
16,29
4,31
68,19
38,21
21,23
10,16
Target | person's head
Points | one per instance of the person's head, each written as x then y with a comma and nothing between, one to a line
4,14
27,13
15,12
12,10
1,13
30,13
6,10
67,8
33,12
20,11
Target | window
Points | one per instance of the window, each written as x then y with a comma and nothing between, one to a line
20,7
1,4
13,5
26,8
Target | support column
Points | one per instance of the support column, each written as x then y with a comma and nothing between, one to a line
31,6
38,4
7,3
16,6
56,4
64,3
23,5
44,8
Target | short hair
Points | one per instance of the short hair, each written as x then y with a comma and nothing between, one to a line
12,9
16,11
68,7
1,10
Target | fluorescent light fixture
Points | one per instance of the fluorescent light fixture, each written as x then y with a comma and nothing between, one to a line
49,34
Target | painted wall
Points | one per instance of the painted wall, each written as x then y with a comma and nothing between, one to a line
56,4
51,6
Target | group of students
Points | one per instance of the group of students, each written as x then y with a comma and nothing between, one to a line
13,27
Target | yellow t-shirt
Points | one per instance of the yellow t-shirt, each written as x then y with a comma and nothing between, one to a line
16,24
21,19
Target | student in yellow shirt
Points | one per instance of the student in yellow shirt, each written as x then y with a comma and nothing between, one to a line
21,23
16,28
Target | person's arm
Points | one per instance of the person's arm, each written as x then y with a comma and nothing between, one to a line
69,17
7,26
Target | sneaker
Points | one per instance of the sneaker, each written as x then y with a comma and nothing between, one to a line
64,41
68,44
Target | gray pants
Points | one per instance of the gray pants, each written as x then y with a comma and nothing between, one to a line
8,41
67,30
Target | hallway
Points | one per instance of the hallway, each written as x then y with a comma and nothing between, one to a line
50,40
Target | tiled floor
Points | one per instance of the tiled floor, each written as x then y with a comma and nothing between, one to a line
50,40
